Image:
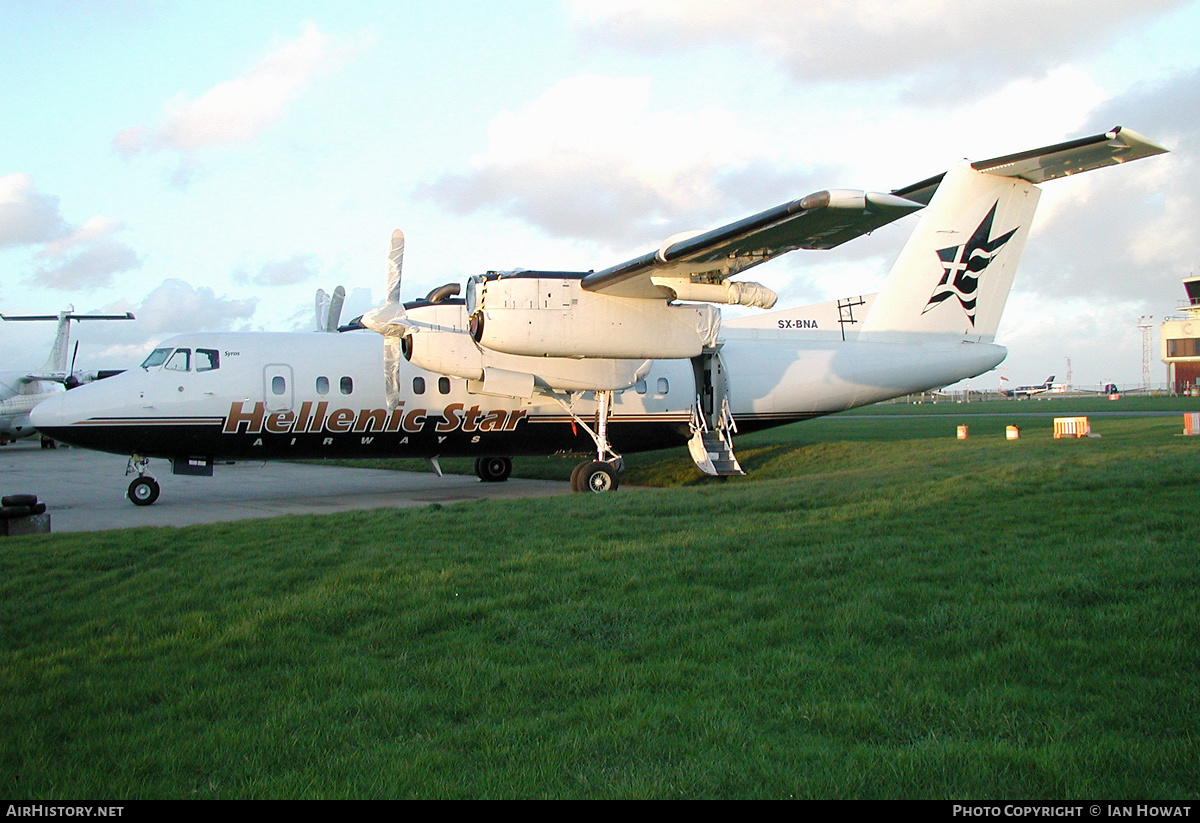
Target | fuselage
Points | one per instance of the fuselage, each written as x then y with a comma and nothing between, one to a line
18,397
298,395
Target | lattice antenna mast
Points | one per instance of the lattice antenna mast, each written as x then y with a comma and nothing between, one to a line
1145,325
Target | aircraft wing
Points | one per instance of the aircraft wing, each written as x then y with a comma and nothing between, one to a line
829,218
819,221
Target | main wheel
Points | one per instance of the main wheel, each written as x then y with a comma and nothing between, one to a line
143,491
493,469
575,472
595,477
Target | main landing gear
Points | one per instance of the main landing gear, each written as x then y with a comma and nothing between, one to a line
599,475
144,489
594,476
493,469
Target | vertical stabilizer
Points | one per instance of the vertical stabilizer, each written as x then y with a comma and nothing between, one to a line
953,276
57,361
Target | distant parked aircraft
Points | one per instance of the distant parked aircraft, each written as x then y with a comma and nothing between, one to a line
1029,391
21,391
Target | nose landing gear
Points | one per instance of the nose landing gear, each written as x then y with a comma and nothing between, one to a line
144,489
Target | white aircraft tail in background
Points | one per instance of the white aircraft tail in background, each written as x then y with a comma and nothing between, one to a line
21,391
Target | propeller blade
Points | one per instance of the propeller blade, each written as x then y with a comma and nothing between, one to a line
334,315
322,310
395,264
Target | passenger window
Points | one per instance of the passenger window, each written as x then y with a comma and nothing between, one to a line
278,385
663,385
322,386
207,359
418,385
347,385
180,360
640,386
444,385
156,358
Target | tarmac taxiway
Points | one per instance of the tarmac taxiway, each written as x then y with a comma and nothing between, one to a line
85,490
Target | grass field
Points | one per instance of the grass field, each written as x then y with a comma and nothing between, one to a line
878,610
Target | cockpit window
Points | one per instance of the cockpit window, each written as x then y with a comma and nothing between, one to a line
156,358
207,359
180,360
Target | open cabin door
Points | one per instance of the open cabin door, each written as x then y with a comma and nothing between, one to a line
711,445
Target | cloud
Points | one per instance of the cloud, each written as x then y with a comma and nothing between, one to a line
238,110
83,257
1127,233
174,307
961,45
27,217
88,257
589,159
300,268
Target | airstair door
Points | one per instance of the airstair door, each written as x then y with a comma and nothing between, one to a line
711,445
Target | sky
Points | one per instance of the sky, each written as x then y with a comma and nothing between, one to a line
208,166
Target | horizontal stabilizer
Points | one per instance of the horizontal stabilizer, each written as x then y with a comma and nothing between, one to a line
1052,162
68,316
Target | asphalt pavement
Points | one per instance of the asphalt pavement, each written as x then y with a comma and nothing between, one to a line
85,490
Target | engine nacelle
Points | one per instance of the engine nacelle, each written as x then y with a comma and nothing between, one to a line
549,314
455,354
444,352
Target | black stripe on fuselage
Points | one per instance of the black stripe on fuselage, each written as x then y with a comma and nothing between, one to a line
160,438
539,435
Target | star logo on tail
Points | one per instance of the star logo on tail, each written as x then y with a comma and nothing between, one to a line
962,266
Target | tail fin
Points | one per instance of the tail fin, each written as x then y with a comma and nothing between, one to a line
953,276
57,361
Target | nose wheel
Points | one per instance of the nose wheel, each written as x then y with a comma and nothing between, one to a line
144,489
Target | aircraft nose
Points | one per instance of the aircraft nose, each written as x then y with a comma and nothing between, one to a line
49,413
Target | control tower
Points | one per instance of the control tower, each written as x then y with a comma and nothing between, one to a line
1180,337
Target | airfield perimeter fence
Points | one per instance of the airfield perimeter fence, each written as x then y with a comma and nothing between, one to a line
980,396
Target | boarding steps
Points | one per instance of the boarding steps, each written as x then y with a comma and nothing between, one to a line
711,447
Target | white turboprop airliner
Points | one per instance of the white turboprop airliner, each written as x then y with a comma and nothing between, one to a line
21,391
628,358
